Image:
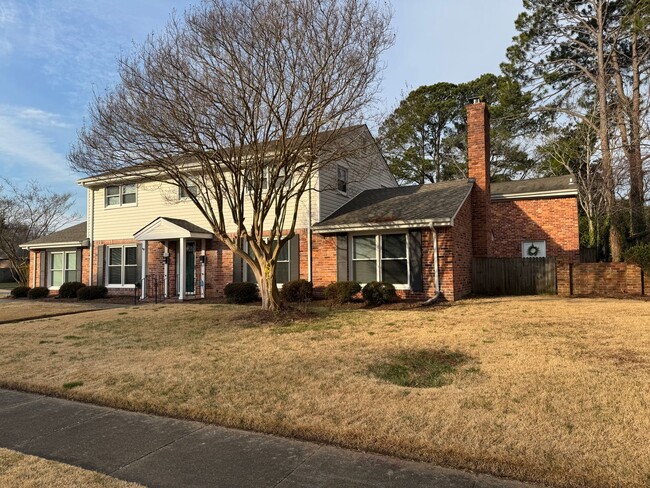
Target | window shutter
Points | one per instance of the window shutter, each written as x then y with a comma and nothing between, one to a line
294,258
79,264
138,257
415,260
237,265
342,257
101,250
43,261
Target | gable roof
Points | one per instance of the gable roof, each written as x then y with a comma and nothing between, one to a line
167,228
555,186
151,168
400,207
73,236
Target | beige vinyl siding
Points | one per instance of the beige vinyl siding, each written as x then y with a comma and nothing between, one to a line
155,200
365,172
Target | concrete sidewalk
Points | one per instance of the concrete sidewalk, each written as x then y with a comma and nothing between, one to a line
163,452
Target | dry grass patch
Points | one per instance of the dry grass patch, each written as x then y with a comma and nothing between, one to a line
11,310
21,470
556,391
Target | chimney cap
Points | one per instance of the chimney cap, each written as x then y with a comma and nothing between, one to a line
474,99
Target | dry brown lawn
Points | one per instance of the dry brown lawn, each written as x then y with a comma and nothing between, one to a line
11,309
22,471
558,391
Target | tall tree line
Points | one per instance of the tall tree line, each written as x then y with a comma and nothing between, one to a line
586,63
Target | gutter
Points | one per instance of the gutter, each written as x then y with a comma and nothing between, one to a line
52,245
396,225
534,195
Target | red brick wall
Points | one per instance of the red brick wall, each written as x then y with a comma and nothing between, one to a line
601,279
323,249
462,249
554,220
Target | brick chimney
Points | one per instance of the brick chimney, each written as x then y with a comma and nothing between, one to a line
478,152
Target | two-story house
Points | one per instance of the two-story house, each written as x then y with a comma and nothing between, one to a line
355,223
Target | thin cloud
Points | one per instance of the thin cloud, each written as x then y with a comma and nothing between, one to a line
41,117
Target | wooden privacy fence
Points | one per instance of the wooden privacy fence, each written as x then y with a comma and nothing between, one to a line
513,276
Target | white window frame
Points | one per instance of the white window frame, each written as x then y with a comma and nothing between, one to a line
244,274
122,266
120,196
378,256
190,184
63,270
347,179
540,243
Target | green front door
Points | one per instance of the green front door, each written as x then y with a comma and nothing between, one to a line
190,251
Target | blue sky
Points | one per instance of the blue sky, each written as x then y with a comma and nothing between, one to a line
54,54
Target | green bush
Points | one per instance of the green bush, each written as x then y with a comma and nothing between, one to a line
297,291
69,289
92,292
20,291
640,255
240,292
38,292
342,291
378,293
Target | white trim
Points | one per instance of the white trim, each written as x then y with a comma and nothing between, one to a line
52,245
180,259
203,259
384,226
166,268
176,232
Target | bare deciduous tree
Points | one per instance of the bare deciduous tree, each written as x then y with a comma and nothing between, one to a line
28,213
248,100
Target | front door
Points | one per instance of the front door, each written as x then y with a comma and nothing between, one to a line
190,278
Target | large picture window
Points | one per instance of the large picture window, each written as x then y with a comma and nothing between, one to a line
118,195
63,267
122,265
381,257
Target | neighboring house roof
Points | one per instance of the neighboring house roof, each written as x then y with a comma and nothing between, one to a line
553,187
400,207
74,236
168,228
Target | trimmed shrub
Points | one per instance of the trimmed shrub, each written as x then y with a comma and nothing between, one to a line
240,292
38,292
297,291
92,292
378,293
20,291
342,291
69,289
640,255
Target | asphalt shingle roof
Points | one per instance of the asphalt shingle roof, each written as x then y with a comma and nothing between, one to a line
437,201
554,183
188,226
75,233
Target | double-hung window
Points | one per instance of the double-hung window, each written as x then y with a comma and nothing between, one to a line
382,257
118,195
122,265
184,193
282,266
63,267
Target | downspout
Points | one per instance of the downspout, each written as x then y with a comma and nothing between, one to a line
436,269
92,236
309,236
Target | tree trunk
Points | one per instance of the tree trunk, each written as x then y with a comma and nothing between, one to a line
637,197
603,133
268,287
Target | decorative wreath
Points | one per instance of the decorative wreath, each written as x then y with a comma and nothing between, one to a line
533,250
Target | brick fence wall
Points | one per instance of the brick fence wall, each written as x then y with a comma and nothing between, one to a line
600,279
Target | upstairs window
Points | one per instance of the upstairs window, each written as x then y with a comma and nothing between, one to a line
118,195
342,179
184,193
